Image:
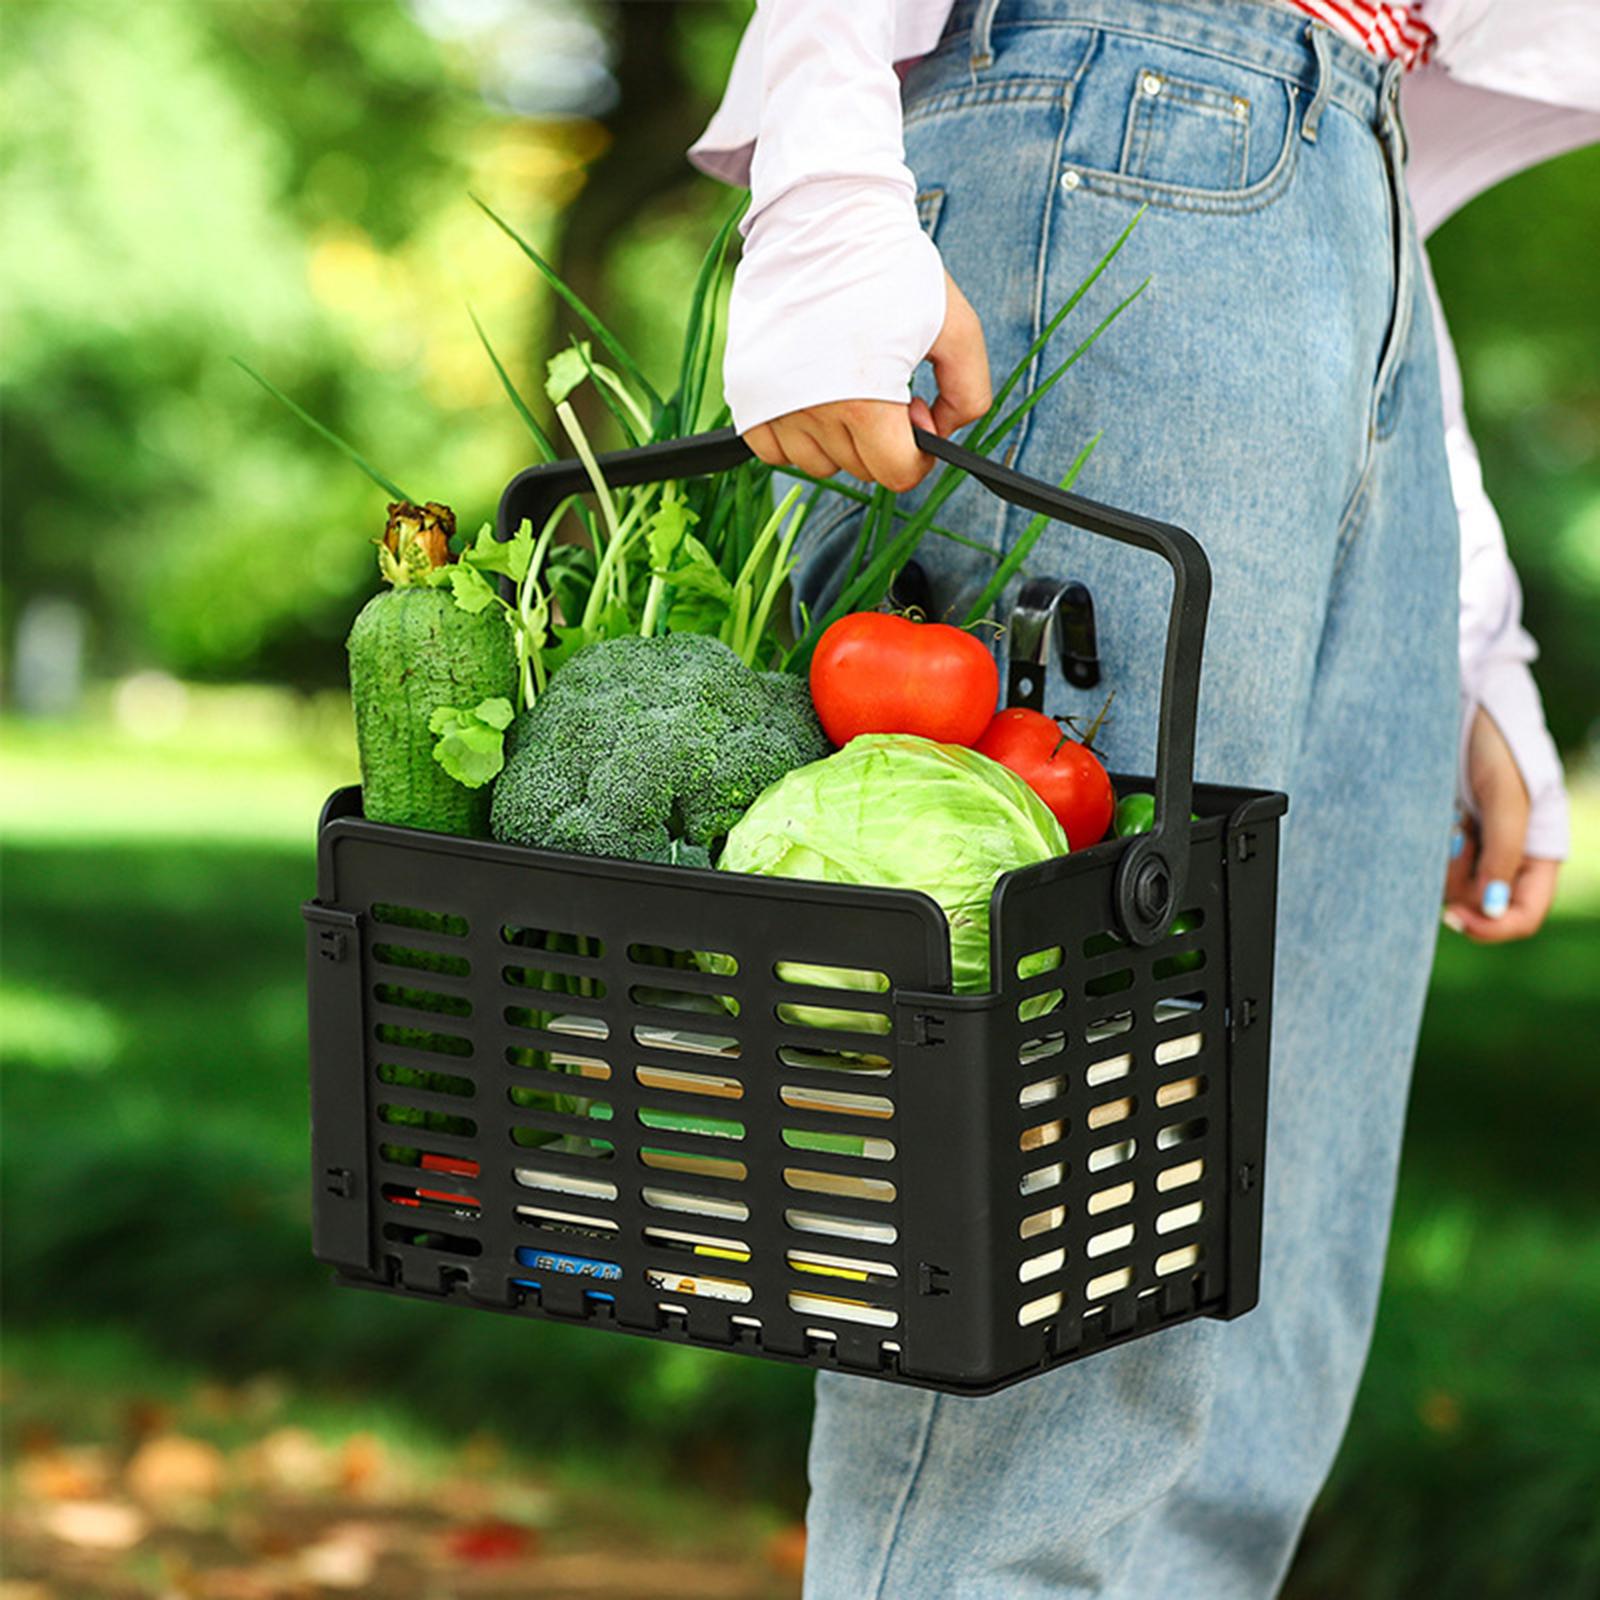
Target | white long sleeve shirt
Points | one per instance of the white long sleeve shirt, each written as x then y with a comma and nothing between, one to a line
840,294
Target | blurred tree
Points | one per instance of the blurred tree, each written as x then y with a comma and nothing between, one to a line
1519,277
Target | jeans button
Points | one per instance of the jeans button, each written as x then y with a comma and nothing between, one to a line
1070,180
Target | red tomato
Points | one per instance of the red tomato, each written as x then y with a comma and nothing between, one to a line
1066,775
875,673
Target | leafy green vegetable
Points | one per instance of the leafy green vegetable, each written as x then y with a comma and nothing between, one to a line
906,813
650,749
471,745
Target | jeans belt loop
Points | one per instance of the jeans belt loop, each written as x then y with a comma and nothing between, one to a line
1319,98
982,28
1394,124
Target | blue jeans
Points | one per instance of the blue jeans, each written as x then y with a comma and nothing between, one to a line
1275,391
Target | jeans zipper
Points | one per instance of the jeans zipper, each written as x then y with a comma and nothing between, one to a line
1391,134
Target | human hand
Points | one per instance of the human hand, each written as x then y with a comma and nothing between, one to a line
872,439
1493,893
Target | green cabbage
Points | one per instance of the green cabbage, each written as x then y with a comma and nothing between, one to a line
905,813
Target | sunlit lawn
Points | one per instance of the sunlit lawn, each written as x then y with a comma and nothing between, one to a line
156,1237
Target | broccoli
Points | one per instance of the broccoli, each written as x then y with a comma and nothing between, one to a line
650,749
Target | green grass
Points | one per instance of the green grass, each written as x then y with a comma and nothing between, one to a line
157,1212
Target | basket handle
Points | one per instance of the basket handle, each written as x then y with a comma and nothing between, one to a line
1154,867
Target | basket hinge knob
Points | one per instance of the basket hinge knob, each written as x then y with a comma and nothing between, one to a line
341,1182
927,1028
932,1279
332,944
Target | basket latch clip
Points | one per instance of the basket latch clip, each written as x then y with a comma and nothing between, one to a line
1049,609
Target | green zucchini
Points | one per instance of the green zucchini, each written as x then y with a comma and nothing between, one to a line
412,650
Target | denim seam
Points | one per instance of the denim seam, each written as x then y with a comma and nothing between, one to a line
897,1522
1041,275
1198,97
1355,511
999,91
1336,100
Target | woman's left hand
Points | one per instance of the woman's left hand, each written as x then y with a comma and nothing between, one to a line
1493,892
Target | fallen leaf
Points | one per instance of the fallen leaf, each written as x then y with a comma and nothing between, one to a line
97,1524
143,1419
172,1469
344,1558
491,1540
786,1550
1440,1411
291,1460
80,1474
362,1464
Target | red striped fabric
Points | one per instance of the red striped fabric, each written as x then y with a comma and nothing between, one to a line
1395,32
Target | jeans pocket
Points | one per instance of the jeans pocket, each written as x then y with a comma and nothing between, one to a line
930,203
1157,122
1183,132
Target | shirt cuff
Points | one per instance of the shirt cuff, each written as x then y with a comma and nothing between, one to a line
1506,690
838,296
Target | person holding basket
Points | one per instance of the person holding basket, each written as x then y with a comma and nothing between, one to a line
1285,389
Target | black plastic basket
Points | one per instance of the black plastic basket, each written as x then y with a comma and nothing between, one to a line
956,1191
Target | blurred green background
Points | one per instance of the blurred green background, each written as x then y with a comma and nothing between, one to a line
290,181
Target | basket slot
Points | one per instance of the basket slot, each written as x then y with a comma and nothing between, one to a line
1036,1310
690,1124
417,954
1108,1113
428,1081
854,1228
696,1085
559,1140
674,1040
1108,1199
433,1001
803,1059
851,1269
841,1308
1040,1222
1041,1091
536,1107
416,919
403,1034
561,1064
552,976
840,1102
558,1180
671,1280
425,1238
1042,1265
553,942
846,1185
419,1114
1041,1047
694,1205
418,1198
1180,1176
1179,1008
834,1016
1189,1255
565,1017
1180,1090
716,965
1180,1217
823,1145
1108,1283
1180,1048
715,1245
583,1224
1109,1069
711,1168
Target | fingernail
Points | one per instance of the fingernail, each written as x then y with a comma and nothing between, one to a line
1452,921
1496,897
1458,842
